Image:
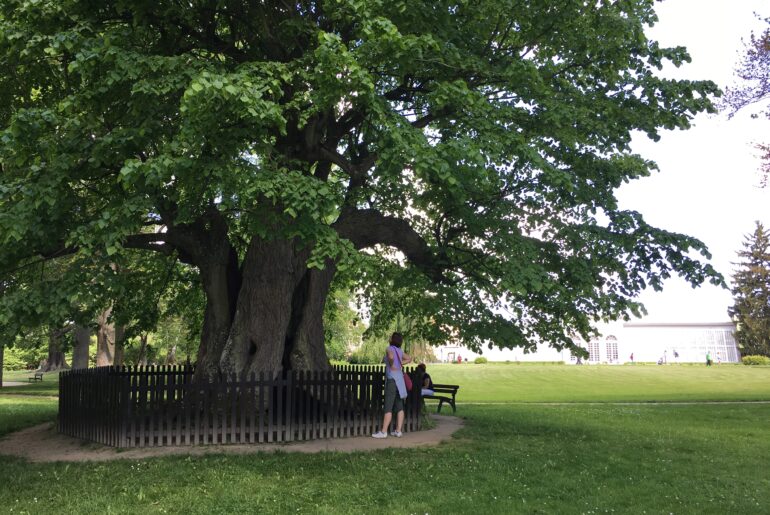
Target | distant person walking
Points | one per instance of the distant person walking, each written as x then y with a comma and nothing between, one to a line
676,356
708,358
395,387
632,357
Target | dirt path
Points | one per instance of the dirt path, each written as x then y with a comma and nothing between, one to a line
43,444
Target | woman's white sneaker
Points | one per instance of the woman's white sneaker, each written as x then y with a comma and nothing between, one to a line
380,434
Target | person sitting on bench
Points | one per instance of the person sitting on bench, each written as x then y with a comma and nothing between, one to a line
427,382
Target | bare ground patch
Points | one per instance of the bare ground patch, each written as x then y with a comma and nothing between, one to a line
42,443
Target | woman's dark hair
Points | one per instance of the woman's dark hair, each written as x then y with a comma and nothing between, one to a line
396,339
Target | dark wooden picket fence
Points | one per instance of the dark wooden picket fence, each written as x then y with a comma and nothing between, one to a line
161,406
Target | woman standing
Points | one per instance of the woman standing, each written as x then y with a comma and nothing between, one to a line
395,388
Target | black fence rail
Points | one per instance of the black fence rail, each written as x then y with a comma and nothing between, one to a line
162,406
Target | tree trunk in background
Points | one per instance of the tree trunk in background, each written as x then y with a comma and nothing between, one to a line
142,361
120,348
2,351
105,339
80,350
171,356
56,360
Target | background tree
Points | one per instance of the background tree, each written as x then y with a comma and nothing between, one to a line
81,346
751,290
467,150
343,328
754,87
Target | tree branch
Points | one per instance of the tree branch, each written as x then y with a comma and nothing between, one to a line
369,227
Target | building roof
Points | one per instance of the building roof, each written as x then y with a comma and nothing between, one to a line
679,324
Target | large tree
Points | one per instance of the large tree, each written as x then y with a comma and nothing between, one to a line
751,291
468,151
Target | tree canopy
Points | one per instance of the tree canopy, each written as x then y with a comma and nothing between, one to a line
456,160
753,88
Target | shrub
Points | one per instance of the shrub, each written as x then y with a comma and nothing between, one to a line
755,360
370,352
480,360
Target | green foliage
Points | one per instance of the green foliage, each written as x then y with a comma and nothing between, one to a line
23,358
27,350
475,138
480,360
176,331
751,291
753,87
343,328
371,351
755,360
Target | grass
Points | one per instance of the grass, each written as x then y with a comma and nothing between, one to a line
512,457
510,383
48,386
17,412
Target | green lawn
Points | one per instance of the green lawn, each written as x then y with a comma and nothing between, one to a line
18,412
511,457
48,386
510,383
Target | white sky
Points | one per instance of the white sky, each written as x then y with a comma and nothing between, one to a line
708,184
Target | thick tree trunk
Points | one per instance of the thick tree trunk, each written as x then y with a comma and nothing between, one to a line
269,317
278,321
80,350
271,272
56,359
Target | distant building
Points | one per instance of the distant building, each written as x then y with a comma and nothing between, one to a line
648,342
651,341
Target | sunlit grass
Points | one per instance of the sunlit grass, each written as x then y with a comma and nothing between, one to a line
569,383
511,457
508,459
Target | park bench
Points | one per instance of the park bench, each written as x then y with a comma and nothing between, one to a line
37,377
447,389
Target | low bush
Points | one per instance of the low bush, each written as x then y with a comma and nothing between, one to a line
480,360
755,360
